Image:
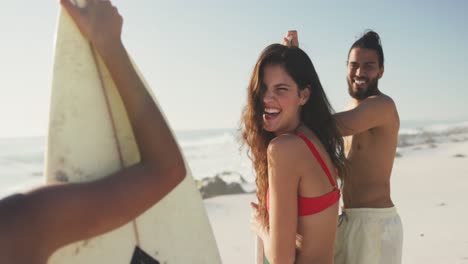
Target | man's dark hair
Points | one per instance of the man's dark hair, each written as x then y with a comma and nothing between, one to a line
370,40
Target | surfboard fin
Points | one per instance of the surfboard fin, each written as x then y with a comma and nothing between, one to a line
141,257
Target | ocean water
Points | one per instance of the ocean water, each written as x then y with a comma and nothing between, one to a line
208,152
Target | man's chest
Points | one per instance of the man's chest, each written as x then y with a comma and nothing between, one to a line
360,142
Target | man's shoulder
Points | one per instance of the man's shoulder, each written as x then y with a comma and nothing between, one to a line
384,106
372,112
381,104
382,100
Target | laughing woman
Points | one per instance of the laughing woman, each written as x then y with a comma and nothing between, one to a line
297,154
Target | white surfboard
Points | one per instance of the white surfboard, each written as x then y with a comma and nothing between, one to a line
90,137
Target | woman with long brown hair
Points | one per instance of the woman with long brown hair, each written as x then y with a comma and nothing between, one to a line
297,153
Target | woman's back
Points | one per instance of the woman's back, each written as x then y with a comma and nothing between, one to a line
318,194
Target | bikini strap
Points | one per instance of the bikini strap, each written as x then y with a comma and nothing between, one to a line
318,157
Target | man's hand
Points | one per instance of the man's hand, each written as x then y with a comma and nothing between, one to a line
291,39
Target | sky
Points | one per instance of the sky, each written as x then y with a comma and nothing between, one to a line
197,56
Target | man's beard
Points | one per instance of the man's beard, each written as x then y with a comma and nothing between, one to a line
363,93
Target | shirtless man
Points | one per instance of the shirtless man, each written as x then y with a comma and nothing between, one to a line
370,229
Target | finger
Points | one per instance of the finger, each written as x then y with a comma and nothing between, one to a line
106,5
294,42
73,10
93,2
79,3
103,2
253,225
254,213
294,37
254,205
292,32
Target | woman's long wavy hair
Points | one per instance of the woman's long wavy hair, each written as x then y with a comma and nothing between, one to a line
316,114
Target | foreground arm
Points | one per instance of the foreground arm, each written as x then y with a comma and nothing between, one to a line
41,219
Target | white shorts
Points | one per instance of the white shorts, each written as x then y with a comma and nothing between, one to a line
369,236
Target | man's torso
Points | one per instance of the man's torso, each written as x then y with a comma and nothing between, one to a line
371,155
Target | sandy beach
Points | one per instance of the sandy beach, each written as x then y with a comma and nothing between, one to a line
429,181
429,188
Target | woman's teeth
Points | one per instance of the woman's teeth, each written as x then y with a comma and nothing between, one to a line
271,111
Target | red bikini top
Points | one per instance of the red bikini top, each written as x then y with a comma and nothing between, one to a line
313,205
